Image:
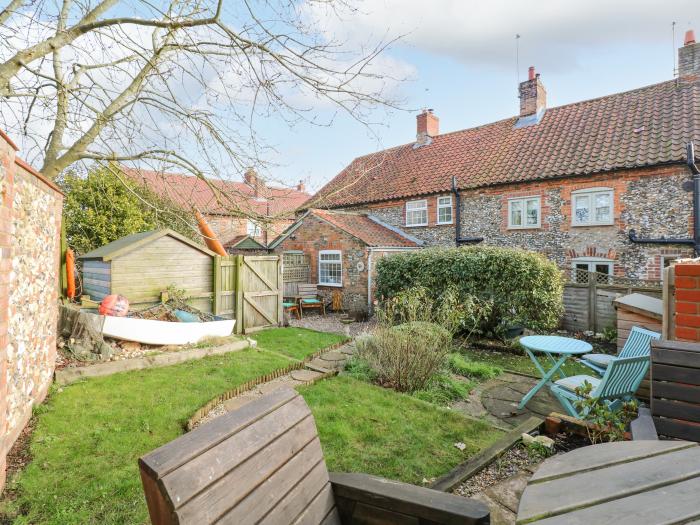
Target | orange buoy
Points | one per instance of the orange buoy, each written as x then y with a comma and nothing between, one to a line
70,274
114,305
209,236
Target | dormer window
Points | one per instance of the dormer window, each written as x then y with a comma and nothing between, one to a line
592,207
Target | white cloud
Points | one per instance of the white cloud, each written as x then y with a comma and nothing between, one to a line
553,32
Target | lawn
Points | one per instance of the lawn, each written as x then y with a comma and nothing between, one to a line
518,362
297,343
366,428
89,435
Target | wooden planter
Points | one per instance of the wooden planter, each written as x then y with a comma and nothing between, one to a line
675,389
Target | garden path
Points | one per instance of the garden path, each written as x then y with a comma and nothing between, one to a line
497,400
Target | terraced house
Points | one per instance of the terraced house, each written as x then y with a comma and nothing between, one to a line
603,185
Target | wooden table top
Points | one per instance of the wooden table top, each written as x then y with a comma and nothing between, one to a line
625,483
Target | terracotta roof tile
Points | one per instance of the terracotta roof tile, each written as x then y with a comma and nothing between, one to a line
638,128
218,196
361,226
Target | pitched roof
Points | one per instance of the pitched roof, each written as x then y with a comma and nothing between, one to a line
362,226
219,196
129,243
642,127
244,241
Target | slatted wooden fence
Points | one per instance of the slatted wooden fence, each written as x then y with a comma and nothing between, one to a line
588,299
675,389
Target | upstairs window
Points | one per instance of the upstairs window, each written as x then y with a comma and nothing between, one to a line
253,229
592,207
417,213
444,210
330,268
524,213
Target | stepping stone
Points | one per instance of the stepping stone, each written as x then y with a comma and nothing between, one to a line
266,388
509,491
305,375
334,356
318,365
347,349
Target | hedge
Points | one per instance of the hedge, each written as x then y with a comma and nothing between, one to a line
515,287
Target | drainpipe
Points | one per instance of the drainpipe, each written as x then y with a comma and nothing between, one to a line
459,240
695,241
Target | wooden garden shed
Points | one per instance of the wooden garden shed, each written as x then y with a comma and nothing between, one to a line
141,265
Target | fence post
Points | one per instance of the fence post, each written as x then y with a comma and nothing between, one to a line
592,300
216,307
238,311
280,294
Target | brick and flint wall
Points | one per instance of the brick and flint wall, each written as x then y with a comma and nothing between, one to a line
30,225
315,235
652,201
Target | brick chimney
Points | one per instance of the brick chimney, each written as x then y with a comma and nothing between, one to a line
689,56
251,179
301,186
427,126
533,96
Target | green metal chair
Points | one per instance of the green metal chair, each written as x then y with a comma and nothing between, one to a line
619,384
638,344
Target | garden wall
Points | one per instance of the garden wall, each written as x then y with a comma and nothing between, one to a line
30,224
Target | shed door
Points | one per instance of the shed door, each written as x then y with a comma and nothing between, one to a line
261,285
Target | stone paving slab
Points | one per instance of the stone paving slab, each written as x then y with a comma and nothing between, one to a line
305,375
334,356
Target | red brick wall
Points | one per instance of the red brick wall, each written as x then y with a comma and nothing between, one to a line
687,301
227,227
315,235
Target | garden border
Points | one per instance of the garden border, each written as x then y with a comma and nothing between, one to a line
201,412
66,376
467,469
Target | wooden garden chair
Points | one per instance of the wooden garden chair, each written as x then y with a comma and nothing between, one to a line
263,463
619,384
638,344
291,306
309,297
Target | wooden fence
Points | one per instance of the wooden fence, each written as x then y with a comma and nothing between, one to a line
249,289
589,296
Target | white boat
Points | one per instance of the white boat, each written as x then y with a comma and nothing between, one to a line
153,332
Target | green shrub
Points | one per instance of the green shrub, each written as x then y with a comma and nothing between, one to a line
443,389
496,287
473,369
407,356
360,369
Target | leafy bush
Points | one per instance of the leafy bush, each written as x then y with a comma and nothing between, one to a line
360,369
443,389
474,369
406,357
605,424
494,287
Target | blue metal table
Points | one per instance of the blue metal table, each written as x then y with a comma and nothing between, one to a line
551,346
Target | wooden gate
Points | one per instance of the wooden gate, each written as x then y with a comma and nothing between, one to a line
249,288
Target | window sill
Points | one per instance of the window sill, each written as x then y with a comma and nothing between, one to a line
592,224
521,228
335,285
444,223
416,226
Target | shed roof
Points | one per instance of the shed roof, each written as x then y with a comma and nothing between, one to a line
245,242
131,242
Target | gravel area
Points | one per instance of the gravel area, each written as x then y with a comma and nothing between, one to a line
509,464
332,323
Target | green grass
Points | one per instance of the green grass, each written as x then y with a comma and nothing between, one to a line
366,428
517,362
89,435
478,370
297,343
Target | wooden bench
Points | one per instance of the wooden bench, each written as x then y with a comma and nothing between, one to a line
309,297
263,463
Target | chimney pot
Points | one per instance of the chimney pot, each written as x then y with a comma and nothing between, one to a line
251,179
427,126
301,186
689,37
531,73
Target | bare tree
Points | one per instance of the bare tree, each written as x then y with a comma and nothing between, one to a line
173,84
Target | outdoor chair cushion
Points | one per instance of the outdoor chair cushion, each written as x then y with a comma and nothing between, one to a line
601,360
289,305
574,382
310,301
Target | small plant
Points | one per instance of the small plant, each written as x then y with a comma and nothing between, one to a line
538,451
604,424
442,389
360,369
609,334
462,366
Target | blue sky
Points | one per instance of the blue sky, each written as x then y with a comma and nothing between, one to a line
460,60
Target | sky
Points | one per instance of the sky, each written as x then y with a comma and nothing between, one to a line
459,58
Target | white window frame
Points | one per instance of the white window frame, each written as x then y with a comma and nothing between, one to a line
447,205
423,207
339,253
524,201
592,262
591,194
257,230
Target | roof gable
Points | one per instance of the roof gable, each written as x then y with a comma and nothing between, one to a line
638,128
131,242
